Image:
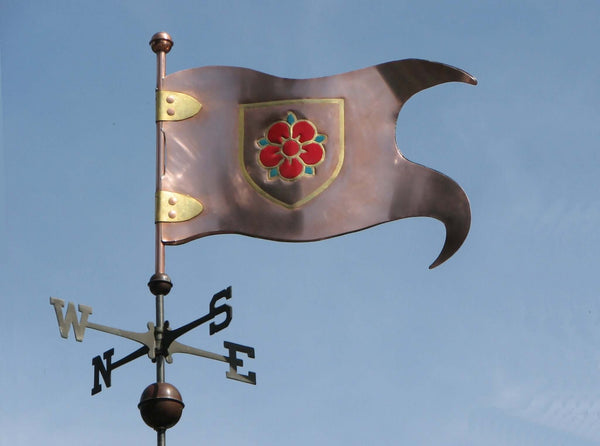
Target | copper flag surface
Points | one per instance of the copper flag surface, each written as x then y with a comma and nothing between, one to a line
299,160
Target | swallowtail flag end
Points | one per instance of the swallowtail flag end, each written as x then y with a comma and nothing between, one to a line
298,159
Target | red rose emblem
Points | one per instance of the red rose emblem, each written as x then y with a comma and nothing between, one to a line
291,148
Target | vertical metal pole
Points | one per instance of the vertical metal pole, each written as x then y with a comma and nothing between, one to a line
160,284
161,44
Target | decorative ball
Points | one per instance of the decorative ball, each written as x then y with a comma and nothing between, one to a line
161,42
161,406
160,284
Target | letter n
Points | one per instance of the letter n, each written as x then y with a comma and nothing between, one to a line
100,369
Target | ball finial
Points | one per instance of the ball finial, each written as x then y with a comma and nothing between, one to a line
161,406
161,42
160,284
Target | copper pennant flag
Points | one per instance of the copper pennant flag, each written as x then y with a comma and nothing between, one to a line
298,159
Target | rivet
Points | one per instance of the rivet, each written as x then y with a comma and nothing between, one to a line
172,201
170,112
170,99
172,214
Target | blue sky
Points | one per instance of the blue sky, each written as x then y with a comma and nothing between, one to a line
356,340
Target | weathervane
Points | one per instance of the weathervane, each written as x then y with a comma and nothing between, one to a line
281,159
161,404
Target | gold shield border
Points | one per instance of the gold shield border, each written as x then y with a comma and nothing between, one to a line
338,167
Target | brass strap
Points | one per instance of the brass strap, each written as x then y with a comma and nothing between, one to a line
172,207
175,106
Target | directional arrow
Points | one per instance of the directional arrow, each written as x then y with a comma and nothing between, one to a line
168,346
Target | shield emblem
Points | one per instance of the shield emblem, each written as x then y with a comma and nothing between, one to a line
292,150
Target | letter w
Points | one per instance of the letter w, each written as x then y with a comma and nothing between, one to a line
64,323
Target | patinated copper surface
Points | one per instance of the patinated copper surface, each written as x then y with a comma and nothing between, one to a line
213,156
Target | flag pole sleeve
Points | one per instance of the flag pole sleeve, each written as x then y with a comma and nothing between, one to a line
161,44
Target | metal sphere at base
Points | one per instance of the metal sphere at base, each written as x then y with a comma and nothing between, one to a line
161,406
